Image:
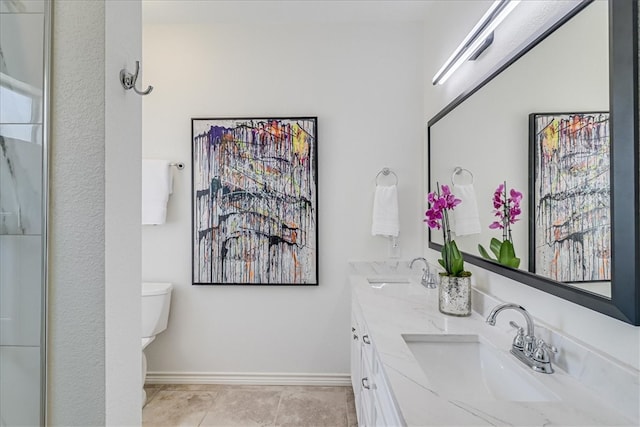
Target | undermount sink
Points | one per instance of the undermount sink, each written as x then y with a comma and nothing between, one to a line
375,280
464,367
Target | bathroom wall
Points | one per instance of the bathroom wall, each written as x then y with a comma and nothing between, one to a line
76,329
123,132
603,333
94,255
364,82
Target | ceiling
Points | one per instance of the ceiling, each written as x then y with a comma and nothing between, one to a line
284,11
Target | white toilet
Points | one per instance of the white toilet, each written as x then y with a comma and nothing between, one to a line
156,299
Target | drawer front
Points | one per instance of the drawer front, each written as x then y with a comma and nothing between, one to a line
375,405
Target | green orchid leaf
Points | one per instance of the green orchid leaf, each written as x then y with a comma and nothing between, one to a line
484,253
457,267
508,255
445,257
506,252
452,260
443,261
494,246
514,263
457,261
454,249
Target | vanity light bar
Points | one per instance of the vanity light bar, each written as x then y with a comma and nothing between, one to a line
476,39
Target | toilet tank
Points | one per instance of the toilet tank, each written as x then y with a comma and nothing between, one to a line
156,299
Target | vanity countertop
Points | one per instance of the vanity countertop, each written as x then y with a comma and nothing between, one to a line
408,308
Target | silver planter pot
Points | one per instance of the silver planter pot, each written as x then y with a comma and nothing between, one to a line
454,296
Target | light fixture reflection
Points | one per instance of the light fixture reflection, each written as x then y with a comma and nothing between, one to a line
477,40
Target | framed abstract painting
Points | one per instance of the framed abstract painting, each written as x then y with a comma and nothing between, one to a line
255,201
569,193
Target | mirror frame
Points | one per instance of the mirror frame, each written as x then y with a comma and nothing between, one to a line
624,304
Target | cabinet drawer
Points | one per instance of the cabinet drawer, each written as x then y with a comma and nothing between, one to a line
375,405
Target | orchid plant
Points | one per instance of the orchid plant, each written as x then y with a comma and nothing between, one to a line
437,217
506,209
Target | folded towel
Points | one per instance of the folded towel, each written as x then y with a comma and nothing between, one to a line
156,186
465,215
385,211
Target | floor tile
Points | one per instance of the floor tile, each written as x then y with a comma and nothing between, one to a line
313,408
243,406
177,408
151,390
352,416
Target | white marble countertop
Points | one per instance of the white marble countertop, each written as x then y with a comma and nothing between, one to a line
409,308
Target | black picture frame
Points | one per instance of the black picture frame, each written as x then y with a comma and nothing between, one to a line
569,196
255,201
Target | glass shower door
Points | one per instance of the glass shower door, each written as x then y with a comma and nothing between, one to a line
23,52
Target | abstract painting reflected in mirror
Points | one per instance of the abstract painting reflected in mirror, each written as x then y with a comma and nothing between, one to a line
569,178
255,201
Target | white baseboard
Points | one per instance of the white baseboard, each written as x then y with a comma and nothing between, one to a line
251,378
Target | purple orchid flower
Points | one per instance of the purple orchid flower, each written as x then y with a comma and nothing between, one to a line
441,201
506,209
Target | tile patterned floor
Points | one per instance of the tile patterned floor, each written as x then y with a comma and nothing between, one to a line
239,405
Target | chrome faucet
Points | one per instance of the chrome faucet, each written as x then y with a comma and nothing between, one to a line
528,349
426,274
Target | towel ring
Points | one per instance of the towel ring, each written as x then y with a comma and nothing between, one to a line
458,171
386,172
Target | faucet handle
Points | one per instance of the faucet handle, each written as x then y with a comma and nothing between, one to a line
541,344
542,350
515,325
518,340
431,279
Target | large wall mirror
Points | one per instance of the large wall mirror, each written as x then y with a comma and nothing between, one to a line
557,123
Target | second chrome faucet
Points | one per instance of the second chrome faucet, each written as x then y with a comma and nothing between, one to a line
427,280
530,350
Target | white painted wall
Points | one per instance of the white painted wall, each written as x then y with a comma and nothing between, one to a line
603,333
364,82
76,346
94,286
123,132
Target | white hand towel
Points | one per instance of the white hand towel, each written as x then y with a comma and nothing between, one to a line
465,215
156,187
385,211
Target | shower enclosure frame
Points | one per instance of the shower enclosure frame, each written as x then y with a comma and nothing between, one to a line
25,123
46,133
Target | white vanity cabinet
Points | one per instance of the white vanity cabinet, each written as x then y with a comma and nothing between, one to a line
374,402
356,358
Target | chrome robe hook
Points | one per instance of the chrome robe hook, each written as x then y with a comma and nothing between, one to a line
129,80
